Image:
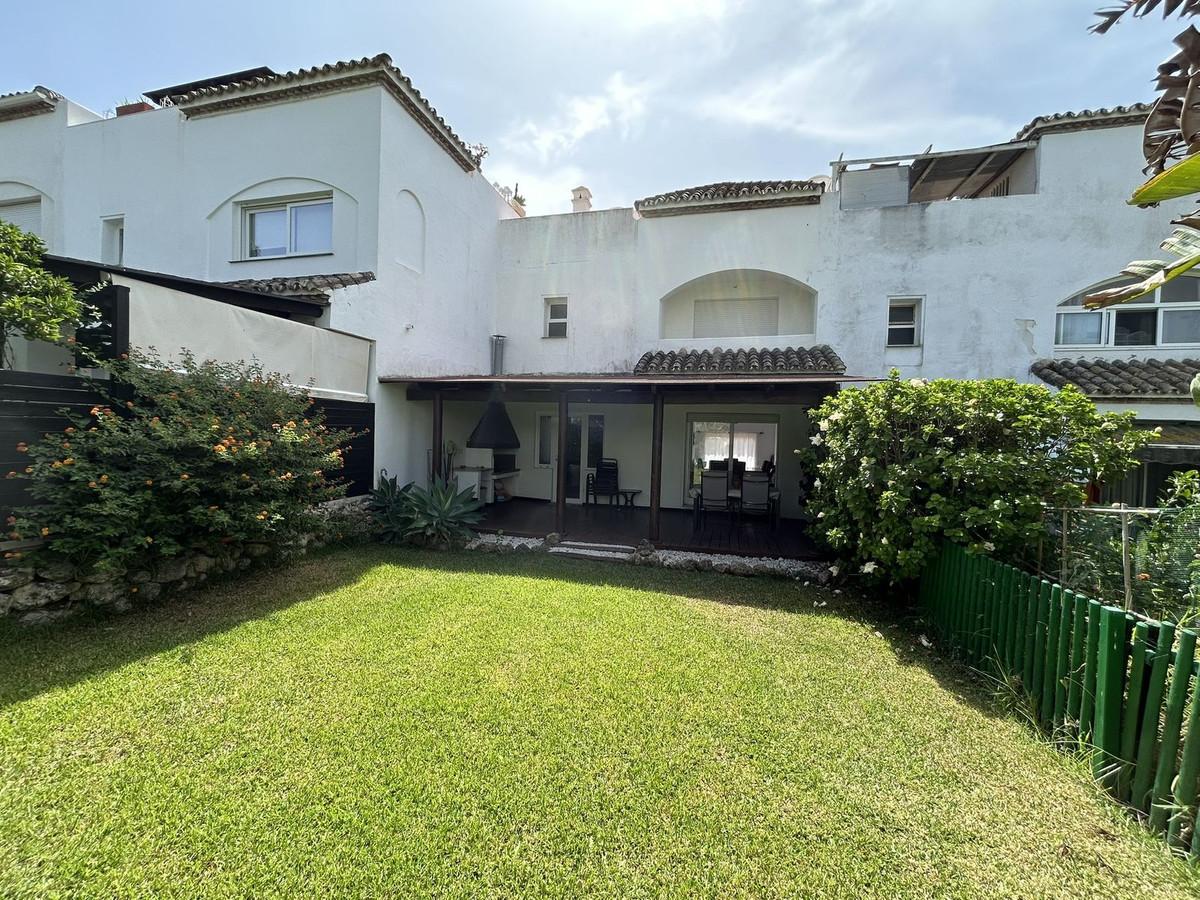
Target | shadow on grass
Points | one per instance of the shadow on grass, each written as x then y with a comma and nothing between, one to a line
39,659
45,657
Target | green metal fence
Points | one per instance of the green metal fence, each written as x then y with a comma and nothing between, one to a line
1120,684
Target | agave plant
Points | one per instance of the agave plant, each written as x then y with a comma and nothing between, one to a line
442,515
389,505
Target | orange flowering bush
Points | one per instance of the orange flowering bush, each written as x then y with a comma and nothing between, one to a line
198,457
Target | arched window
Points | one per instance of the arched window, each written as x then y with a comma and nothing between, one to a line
1169,317
21,205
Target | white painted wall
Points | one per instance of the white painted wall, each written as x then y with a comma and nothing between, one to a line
328,363
435,267
991,271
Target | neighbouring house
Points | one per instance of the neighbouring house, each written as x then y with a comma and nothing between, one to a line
689,333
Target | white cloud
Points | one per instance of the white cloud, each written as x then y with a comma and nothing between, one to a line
843,95
641,14
546,191
621,105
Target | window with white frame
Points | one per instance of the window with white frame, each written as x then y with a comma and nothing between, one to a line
904,322
287,227
556,317
1168,317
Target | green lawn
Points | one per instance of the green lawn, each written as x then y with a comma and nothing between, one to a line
390,723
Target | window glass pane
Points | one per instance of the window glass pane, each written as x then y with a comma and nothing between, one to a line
1079,328
710,444
902,336
268,232
595,440
556,329
1135,328
312,228
1184,289
754,443
902,314
558,310
1181,326
545,432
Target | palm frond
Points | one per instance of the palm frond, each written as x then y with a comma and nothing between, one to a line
1111,15
1184,243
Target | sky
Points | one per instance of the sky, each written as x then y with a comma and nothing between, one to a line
632,97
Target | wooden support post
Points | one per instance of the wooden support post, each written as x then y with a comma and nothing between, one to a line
437,437
560,475
656,436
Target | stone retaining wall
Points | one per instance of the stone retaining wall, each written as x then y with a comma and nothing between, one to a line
33,591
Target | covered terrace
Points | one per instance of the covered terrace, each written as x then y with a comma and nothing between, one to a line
679,414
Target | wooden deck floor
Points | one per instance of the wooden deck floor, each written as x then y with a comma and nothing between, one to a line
615,525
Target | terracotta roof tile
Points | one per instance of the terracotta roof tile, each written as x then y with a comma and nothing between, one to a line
307,287
1086,118
1120,377
731,195
820,359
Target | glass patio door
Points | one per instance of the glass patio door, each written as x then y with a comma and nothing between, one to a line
574,457
548,453
731,444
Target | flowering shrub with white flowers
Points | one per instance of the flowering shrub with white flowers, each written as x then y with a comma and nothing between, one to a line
193,457
902,464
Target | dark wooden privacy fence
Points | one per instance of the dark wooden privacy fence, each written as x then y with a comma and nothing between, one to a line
1119,684
358,469
31,406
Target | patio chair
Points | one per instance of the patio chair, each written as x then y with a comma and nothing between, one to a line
606,482
756,497
714,492
736,471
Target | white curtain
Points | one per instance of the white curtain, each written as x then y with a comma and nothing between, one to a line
745,448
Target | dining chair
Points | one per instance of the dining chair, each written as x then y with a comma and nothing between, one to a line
714,491
756,496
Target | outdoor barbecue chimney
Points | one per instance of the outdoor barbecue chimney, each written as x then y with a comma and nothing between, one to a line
581,199
495,430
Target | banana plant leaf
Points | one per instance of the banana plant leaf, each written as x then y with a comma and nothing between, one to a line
1180,180
1184,242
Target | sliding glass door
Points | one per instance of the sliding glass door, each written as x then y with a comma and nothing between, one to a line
732,443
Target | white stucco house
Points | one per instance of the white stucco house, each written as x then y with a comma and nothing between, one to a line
689,332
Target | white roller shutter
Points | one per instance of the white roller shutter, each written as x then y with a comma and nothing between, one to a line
735,318
26,215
